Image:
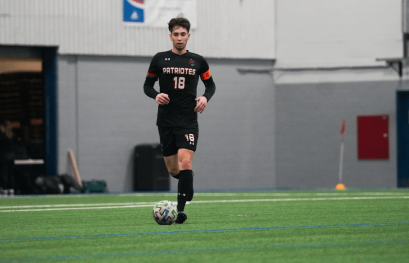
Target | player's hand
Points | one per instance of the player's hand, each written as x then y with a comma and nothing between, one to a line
201,105
162,99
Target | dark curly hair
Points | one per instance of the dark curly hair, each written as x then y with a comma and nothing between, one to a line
179,22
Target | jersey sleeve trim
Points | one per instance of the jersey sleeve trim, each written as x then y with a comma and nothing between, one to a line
152,75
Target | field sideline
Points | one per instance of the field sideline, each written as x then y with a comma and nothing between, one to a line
279,226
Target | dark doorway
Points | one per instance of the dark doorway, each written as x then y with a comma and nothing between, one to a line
402,123
28,101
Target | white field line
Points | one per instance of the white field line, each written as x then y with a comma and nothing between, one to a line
304,199
138,203
298,194
75,208
275,194
73,205
135,205
337,193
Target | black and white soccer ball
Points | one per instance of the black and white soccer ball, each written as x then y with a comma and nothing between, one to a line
165,212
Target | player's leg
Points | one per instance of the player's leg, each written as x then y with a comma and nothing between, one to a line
185,157
172,165
191,137
169,150
178,147
185,184
186,142
181,160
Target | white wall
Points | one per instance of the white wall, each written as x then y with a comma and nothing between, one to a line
235,29
323,33
225,28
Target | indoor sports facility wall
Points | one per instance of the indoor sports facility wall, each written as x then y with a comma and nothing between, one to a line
104,114
337,33
309,114
96,27
287,72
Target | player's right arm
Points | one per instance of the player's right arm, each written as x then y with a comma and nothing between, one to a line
151,78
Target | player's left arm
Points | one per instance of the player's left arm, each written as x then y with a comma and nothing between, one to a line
204,99
210,89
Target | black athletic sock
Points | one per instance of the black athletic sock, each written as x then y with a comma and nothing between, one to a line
192,191
184,187
176,176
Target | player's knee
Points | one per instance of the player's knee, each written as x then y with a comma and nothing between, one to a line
185,165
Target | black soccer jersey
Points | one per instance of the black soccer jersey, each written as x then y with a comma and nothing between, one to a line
178,77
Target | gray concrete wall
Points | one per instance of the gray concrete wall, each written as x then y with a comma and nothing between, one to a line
236,144
103,114
308,124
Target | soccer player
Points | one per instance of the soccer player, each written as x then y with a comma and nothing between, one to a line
178,71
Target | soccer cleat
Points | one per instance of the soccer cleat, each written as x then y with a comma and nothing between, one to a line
181,218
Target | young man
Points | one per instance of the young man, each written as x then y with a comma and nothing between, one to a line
178,71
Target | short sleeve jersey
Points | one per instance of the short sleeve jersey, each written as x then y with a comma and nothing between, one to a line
178,77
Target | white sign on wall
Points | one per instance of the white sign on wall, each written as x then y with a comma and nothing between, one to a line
158,13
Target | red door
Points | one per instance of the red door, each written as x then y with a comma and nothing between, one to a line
373,137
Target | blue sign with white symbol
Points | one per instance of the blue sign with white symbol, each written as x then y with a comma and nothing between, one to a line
134,11
157,13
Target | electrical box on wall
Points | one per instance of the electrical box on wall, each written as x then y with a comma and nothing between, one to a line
373,137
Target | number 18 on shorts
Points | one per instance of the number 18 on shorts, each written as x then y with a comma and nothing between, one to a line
174,139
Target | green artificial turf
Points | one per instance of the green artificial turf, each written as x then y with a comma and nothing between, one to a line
277,226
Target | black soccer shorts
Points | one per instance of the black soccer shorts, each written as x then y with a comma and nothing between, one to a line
173,139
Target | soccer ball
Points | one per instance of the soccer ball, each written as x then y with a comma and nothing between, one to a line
165,212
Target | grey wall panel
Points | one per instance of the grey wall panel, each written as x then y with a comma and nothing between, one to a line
308,124
114,116
67,111
236,145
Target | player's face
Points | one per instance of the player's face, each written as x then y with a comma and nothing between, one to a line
179,37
